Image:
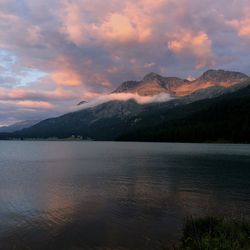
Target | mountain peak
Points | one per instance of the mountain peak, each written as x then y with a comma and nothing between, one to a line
151,76
154,84
222,75
126,86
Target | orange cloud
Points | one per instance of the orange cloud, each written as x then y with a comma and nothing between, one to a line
35,104
199,45
134,22
64,73
151,4
58,94
118,27
67,78
128,21
17,93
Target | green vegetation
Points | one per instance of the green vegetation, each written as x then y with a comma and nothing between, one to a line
212,233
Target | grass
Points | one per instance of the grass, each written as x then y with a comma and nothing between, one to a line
211,233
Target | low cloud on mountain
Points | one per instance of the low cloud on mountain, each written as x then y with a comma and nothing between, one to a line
163,97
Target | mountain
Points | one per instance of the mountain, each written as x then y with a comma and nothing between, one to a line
102,122
224,119
18,126
128,120
212,78
153,84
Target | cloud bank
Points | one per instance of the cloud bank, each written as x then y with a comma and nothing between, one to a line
164,97
55,53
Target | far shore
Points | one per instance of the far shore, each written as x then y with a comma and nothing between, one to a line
92,140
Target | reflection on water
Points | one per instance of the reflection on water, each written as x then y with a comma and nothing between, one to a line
96,195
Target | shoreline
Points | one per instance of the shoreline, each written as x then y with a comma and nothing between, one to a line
160,142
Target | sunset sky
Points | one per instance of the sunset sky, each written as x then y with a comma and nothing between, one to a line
55,53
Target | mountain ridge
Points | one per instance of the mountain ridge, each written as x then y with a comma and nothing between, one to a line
113,119
153,84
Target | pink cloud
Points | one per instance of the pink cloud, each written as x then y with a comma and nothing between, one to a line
67,77
123,22
120,28
199,45
27,94
35,104
241,25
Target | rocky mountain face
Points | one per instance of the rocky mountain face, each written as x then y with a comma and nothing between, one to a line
212,78
153,84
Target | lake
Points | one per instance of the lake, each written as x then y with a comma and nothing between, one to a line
115,195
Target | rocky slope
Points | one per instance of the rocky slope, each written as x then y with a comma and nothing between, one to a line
212,78
152,84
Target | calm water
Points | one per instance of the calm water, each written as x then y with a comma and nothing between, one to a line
107,195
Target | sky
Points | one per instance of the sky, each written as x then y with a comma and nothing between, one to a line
56,53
